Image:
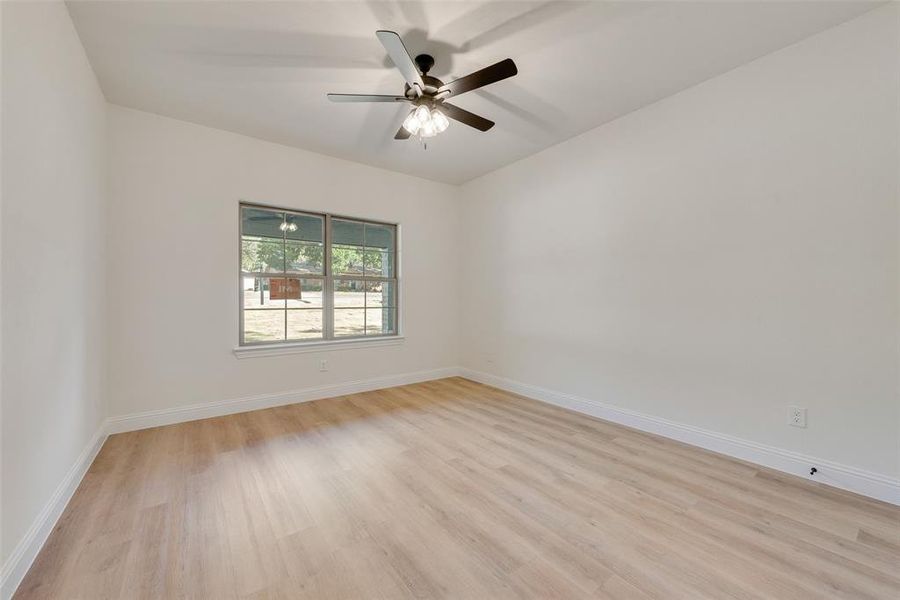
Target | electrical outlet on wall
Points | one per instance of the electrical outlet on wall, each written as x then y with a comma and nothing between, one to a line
796,416
323,365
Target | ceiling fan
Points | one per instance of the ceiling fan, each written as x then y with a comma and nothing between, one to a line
427,94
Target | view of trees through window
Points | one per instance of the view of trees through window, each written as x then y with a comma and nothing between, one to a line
306,276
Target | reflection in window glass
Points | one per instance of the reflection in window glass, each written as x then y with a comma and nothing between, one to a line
349,293
306,228
379,236
307,276
262,255
379,263
380,321
302,257
257,294
349,322
346,260
380,293
347,233
305,293
304,324
261,223
263,325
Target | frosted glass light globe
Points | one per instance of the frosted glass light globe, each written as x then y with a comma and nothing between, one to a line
412,123
440,121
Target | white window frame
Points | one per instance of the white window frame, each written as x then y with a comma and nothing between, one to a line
328,340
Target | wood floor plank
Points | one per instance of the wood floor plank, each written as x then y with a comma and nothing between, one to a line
451,489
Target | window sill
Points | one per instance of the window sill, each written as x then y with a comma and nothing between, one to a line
323,346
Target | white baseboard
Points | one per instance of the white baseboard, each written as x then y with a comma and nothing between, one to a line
220,408
18,563
842,476
16,566
831,473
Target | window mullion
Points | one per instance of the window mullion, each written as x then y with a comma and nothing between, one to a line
328,295
365,285
283,272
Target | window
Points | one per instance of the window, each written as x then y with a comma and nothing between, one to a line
311,277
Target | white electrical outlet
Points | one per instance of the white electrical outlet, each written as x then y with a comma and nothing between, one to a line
796,416
323,365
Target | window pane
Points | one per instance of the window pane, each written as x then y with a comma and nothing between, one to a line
347,233
346,260
307,228
304,293
287,300
257,293
258,222
262,255
381,293
302,257
263,325
304,324
380,321
379,263
349,321
349,293
380,236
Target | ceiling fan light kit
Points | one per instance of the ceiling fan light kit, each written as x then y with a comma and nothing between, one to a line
425,123
431,113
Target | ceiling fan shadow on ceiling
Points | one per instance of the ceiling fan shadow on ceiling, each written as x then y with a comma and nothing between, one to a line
431,113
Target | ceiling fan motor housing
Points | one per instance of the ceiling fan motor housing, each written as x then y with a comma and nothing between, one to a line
426,92
424,62
432,84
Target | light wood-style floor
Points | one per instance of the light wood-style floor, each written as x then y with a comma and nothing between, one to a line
451,489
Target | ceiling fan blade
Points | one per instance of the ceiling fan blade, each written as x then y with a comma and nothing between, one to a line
402,60
402,134
464,116
486,76
365,98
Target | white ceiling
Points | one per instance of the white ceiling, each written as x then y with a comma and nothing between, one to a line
263,68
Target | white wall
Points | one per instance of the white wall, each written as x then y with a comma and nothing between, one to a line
714,257
53,308
173,229
709,259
